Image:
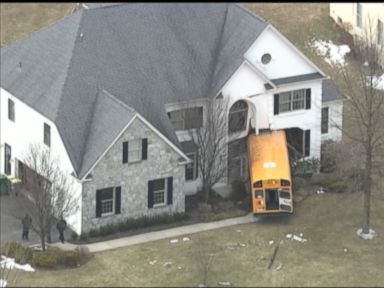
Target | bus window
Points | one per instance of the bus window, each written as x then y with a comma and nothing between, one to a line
259,193
284,193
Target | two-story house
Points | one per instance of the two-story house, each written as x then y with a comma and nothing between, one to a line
103,89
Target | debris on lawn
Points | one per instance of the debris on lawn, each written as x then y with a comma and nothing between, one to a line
271,242
289,236
301,235
345,250
300,239
167,264
320,191
242,245
152,262
233,246
332,53
239,231
224,283
9,263
179,267
174,241
278,267
273,257
201,285
186,239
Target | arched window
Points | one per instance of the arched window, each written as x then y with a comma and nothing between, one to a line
238,115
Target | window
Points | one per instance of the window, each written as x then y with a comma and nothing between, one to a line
7,159
191,168
11,110
380,32
292,101
160,192
359,15
238,115
47,135
324,120
135,150
108,201
298,141
185,119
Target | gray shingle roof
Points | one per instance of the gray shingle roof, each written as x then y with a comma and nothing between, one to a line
330,92
298,78
145,55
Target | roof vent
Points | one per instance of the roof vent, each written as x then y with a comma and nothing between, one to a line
81,35
266,58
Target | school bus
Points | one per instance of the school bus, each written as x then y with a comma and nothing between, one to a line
269,173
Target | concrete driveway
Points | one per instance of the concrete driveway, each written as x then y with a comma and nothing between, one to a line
11,212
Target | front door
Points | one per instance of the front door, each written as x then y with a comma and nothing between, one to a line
7,159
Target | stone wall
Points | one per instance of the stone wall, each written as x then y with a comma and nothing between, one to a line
162,162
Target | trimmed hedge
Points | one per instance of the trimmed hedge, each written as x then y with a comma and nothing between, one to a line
133,223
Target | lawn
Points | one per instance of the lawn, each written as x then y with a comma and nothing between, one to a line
328,222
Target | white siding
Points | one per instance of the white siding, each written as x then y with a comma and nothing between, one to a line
29,128
335,120
286,62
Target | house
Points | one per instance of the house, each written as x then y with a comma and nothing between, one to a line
357,18
103,89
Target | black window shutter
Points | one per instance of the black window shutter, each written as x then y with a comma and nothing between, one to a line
118,200
276,104
98,203
144,149
150,194
308,99
197,165
307,142
170,190
125,152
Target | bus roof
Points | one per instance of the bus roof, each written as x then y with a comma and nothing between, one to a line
268,156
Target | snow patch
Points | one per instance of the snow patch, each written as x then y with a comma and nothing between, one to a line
174,241
378,82
333,54
3,283
366,236
9,263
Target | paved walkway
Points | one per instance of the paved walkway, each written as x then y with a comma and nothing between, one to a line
158,235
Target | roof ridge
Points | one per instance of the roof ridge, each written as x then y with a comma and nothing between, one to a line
258,17
41,29
114,98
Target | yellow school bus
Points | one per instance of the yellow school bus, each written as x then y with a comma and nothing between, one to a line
269,173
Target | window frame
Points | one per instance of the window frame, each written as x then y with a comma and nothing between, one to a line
194,156
103,214
139,150
47,134
233,111
11,110
165,192
324,121
292,100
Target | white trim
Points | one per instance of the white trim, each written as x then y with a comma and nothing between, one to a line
261,75
296,49
138,116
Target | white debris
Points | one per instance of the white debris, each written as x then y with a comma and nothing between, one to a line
3,283
174,241
167,264
366,64
320,191
271,242
9,263
333,54
301,235
242,245
186,239
179,267
289,236
278,268
378,82
224,283
238,231
152,262
300,239
366,236
345,250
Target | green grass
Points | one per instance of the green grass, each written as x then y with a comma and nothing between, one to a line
328,221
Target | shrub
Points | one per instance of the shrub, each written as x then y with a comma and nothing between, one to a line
74,236
9,248
239,191
17,251
69,258
45,259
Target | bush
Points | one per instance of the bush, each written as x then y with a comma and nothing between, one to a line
45,259
17,251
69,259
239,191
9,248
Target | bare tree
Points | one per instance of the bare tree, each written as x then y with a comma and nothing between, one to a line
50,191
211,140
366,110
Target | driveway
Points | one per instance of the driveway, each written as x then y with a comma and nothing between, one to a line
11,212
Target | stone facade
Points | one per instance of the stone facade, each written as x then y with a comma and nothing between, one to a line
162,162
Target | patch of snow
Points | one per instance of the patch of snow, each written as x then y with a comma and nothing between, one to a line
301,235
152,262
300,239
366,236
278,268
186,239
174,241
333,54
345,250
167,264
366,64
9,263
239,231
179,267
320,191
242,245
3,283
289,236
271,242
224,283
378,82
